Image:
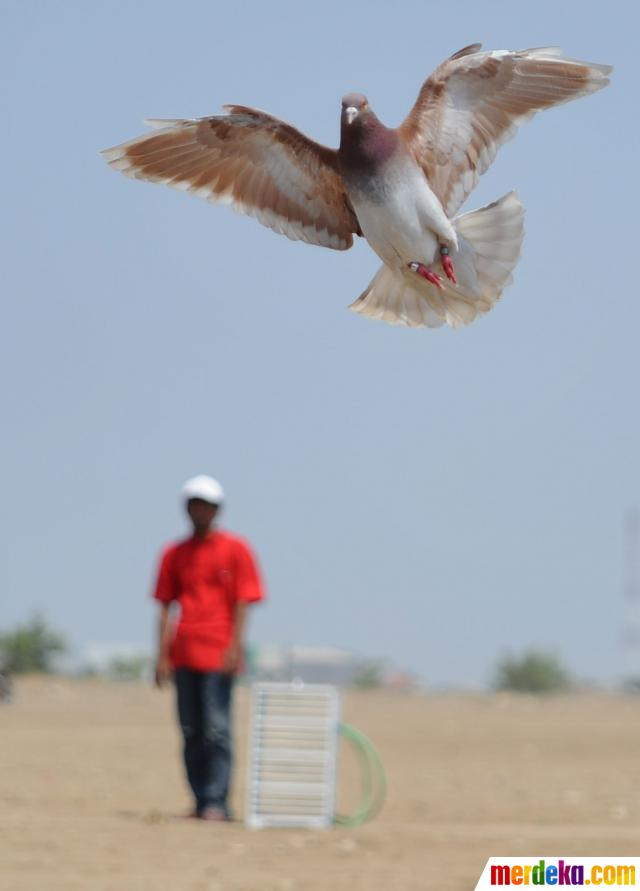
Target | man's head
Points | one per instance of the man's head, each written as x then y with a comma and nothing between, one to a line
203,497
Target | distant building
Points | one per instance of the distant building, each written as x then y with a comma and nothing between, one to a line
312,665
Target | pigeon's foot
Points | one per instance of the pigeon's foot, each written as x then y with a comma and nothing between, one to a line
427,273
447,264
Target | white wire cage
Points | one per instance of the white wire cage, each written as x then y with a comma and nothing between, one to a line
293,745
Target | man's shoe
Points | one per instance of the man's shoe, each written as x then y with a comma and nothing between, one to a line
213,814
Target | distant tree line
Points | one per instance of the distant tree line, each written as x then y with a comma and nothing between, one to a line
534,672
33,646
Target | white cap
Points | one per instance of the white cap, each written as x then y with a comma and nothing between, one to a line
205,488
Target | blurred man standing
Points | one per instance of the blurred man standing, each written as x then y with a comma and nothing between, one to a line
213,576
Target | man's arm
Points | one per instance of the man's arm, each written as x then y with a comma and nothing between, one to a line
163,666
248,589
166,591
233,654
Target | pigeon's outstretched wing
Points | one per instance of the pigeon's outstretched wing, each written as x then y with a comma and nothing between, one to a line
258,164
475,101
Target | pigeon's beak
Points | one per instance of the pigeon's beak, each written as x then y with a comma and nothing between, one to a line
350,113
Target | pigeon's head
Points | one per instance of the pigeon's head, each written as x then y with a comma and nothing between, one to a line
355,109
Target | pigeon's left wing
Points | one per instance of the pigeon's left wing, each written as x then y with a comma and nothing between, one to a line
475,101
258,164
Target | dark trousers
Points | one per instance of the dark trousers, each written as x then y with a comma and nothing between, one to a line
204,712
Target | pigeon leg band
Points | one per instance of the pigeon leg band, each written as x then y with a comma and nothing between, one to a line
447,264
427,273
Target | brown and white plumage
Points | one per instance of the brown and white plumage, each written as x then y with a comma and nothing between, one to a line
475,101
258,164
398,188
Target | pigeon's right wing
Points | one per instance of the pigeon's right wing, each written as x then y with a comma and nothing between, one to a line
258,164
475,101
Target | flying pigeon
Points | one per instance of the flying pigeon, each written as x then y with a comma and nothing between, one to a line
400,189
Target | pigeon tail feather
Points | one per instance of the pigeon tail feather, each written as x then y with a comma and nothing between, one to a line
490,240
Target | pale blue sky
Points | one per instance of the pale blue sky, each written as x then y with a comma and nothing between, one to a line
435,497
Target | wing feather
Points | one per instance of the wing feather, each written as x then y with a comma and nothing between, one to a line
258,164
475,101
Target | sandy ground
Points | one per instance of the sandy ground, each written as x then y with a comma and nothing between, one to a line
91,788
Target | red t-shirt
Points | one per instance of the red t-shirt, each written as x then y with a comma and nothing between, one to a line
207,577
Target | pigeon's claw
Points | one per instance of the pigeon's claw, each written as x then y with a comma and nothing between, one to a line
427,273
447,264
